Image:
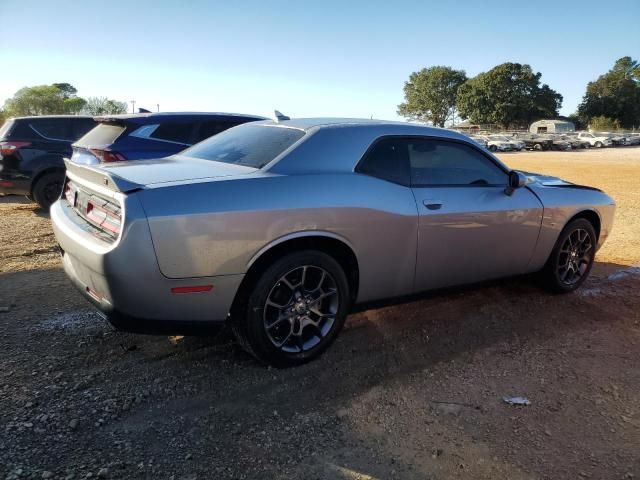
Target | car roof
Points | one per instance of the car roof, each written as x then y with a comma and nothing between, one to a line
172,115
49,116
393,127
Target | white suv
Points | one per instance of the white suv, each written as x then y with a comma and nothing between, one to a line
595,140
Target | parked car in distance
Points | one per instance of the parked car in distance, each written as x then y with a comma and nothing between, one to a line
535,142
557,142
575,141
480,141
516,144
32,150
497,143
275,228
597,141
150,135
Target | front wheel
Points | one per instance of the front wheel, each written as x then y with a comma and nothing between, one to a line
537,146
598,145
572,257
295,310
493,148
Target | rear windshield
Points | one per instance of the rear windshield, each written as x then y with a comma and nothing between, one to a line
103,134
248,145
4,130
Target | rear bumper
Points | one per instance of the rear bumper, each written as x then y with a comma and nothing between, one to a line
123,281
14,185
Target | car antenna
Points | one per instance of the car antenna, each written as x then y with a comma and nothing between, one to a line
280,117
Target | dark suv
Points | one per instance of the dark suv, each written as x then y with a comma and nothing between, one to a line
32,151
150,135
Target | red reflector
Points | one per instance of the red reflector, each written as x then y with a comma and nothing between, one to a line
193,289
6,184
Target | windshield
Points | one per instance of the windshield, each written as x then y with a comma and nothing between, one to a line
248,145
500,138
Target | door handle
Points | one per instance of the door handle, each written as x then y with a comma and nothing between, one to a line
432,204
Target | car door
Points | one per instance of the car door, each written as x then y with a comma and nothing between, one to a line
470,227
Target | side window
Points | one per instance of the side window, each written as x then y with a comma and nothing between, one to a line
52,128
442,162
80,126
213,127
387,160
179,132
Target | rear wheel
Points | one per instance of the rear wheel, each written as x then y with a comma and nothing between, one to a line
295,310
537,146
48,189
598,145
572,257
493,148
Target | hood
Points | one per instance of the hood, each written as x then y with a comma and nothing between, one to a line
550,181
171,169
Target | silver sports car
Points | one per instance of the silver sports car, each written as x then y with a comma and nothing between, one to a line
282,228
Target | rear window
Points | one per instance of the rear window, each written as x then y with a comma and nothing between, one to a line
248,145
179,132
52,128
4,130
103,134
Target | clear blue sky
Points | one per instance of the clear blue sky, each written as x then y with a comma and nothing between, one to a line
328,58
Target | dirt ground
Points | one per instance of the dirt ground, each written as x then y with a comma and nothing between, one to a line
411,392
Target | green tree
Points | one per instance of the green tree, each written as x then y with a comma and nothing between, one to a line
39,100
603,124
614,95
59,98
74,105
509,94
3,117
104,106
430,94
67,90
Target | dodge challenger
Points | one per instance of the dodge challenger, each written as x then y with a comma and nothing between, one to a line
282,228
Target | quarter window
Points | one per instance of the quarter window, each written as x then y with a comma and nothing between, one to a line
445,163
387,160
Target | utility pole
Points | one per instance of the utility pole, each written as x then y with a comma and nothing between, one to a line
158,105
133,106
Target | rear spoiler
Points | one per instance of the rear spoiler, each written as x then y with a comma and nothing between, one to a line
102,177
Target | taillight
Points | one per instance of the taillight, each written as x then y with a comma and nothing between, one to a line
9,148
69,193
107,155
105,216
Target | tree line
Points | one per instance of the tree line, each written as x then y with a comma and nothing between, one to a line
512,96
57,99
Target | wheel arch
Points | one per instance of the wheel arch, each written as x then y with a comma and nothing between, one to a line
42,173
592,216
326,242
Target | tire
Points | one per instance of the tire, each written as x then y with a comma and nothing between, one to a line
575,248
598,145
48,189
493,148
294,332
537,146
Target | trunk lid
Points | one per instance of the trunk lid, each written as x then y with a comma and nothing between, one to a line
129,176
171,169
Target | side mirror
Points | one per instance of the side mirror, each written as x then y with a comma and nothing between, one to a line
516,180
